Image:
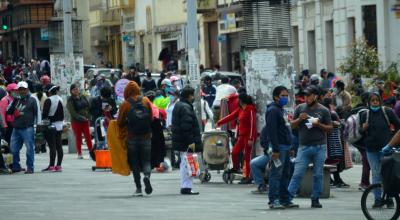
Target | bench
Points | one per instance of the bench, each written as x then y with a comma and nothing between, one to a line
307,182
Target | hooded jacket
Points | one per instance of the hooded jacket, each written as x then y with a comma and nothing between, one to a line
278,132
247,121
132,91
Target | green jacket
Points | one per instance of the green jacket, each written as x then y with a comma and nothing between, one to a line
78,108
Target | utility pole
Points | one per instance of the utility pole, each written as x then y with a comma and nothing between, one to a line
68,44
193,53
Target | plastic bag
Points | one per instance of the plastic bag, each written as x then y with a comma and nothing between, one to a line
192,164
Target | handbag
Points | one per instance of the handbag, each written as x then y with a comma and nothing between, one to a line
192,164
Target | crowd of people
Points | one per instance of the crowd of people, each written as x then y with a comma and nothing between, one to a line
318,131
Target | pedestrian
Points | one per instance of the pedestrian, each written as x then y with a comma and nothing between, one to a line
133,75
360,145
39,139
378,127
222,91
335,143
135,114
342,100
313,122
25,112
236,83
206,113
185,135
247,131
325,84
162,77
279,138
173,95
103,105
162,95
148,83
53,113
8,120
78,107
209,91
158,151
259,163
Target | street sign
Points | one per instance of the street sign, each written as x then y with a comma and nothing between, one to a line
222,38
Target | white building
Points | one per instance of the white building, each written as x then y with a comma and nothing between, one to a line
324,30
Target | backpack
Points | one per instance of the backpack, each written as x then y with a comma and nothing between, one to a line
139,119
352,126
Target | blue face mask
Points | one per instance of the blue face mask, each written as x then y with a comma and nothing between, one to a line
283,101
375,108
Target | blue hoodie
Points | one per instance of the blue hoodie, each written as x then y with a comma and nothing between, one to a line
278,133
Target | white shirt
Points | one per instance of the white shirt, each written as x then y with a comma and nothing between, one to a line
170,109
223,91
205,110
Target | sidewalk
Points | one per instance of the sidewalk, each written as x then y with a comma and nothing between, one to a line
79,193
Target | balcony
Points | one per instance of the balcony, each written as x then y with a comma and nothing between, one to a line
104,18
121,4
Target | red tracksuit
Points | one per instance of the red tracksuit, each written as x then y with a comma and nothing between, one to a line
247,130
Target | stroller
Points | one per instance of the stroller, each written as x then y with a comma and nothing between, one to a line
101,153
216,155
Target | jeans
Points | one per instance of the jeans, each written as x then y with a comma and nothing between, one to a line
18,138
139,156
374,160
257,168
279,178
306,154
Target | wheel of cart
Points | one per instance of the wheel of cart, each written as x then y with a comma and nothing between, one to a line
205,177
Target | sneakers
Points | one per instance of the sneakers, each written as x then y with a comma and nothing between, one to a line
148,189
341,185
261,189
58,169
315,203
245,181
138,193
276,205
18,170
290,205
29,171
49,169
80,157
188,191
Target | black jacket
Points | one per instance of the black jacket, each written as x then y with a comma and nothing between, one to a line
148,84
378,133
28,110
185,127
277,129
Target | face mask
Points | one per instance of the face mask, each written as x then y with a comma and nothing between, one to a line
14,95
283,101
335,90
375,108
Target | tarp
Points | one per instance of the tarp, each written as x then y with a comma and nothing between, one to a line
117,142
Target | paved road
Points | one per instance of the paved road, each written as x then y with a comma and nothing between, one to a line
79,193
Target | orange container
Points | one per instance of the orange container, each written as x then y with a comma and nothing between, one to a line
103,159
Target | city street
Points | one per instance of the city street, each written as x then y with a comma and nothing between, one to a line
79,193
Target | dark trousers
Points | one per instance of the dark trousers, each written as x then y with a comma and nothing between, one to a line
7,136
365,167
53,138
139,156
2,164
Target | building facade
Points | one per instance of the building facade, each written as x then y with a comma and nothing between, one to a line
324,31
25,33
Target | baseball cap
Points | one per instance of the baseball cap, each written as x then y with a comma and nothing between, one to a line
166,82
11,86
312,90
22,85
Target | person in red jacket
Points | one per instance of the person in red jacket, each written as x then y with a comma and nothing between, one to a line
247,133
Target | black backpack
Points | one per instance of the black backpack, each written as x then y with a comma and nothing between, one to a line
139,121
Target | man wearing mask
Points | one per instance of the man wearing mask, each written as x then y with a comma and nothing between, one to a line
25,111
162,101
313,122
279,137
209,91
133,76
341,99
